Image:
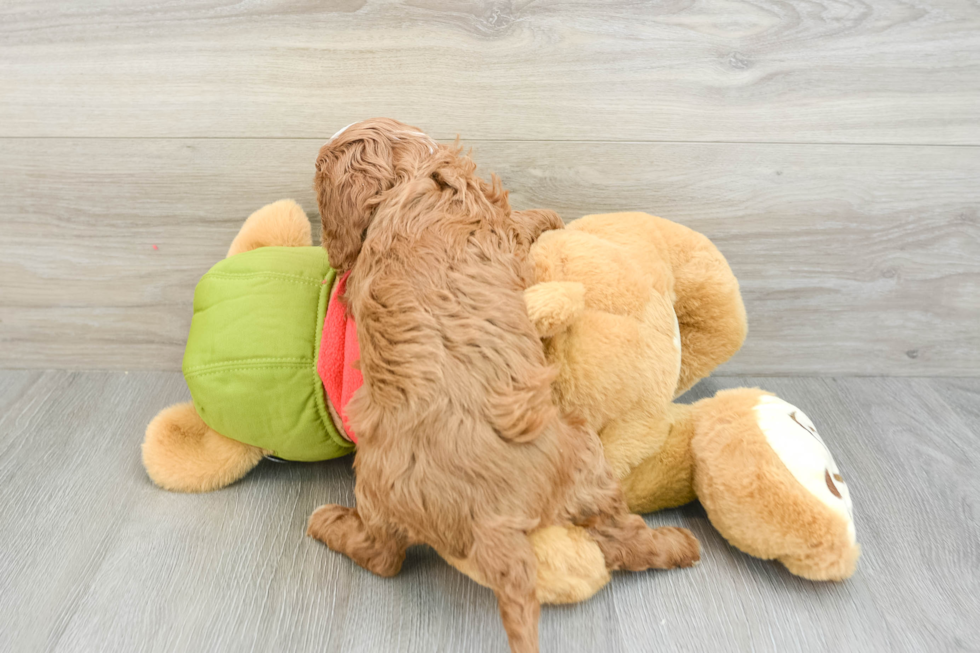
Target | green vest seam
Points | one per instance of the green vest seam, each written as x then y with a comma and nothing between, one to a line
280,275
244,363
246,369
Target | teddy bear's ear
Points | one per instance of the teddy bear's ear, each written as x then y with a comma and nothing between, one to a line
554,305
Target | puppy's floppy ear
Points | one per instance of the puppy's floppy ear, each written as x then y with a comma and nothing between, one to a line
532,222
352,171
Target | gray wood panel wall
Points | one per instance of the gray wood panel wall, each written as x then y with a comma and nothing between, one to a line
831,149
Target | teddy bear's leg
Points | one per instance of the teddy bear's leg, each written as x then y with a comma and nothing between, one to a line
182,454
770,485
710,313
570,565
280,224
652,454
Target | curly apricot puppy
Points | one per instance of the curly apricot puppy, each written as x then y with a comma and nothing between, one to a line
460,445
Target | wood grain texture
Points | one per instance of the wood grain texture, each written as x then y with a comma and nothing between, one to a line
889,71
963,397
852,259
96,558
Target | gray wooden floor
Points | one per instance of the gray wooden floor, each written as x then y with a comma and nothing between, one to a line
95,558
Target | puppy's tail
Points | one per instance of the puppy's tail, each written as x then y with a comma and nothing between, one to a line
504,558
521,410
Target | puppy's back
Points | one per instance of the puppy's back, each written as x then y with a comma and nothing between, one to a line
457,413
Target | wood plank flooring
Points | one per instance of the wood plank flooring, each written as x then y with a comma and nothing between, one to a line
97,558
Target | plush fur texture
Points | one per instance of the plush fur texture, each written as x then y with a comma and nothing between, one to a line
460,443
570,565
619,362
280,224
554,305
181,454
733,460
605,302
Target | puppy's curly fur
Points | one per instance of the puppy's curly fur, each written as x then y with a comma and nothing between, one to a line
460,444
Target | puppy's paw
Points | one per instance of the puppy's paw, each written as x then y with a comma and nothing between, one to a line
324,520
676,547
342,530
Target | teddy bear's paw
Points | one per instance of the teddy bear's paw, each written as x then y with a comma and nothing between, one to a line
676,547
183,454
554,305
571,567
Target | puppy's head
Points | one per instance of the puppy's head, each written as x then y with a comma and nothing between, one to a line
353,170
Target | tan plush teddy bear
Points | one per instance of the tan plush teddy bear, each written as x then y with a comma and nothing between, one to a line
634,310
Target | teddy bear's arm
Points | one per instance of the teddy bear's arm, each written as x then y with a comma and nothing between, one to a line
554,305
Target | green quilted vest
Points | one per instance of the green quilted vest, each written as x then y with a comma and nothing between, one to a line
252,351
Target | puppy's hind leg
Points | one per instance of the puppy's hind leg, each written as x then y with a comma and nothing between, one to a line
596,503
380,551
628,543
504,556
